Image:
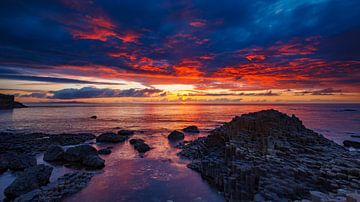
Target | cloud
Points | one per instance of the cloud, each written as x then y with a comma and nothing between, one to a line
35,95
52,79
92,92
326,91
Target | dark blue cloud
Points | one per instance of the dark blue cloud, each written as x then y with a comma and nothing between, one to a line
92,92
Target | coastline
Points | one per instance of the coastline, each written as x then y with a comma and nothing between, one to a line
73,139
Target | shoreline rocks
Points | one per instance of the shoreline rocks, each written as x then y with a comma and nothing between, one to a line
176,136
110,137
140,145
268,155
354,144
28,180
191,129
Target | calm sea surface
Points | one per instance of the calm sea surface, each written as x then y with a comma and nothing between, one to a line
160,175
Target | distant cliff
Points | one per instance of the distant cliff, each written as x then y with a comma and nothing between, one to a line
8,102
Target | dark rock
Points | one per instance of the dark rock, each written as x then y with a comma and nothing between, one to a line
54,153
4,163
140,145
64,186
348,143
30,179
110,138
136,141
93,161
355,136
191,129
20,161
8,102
126,132
176,136
104,151
272,156
78,153
93,117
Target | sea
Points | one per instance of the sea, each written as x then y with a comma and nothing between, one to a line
159,175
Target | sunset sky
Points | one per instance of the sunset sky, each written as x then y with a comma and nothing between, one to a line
180,51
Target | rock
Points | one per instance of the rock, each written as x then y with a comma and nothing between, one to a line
140,145
54,153
78,153
126,132
30,179
176,136
93,161
104,151
136,141
4,163
354,144
191,129
64,186
20,161
110,137
272,156
8,102
93,117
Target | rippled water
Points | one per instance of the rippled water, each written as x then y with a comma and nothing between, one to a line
160,175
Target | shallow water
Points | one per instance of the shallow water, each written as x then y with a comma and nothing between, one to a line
160,175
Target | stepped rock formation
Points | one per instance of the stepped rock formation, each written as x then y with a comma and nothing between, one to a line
268,155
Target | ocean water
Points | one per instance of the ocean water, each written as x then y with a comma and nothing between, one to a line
159,175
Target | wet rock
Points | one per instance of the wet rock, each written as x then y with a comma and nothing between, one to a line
191,129
126,132
54,153
354,144
110,137
4,163
176,136
20,161
104,151
271,156
78,153
140,145
93,161
30,179
64,186
93,117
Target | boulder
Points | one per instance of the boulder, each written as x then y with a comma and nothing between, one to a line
142,147
54,153
348,143
93,161
176,136
30,179
93,117
104,151
126,132
78,153
136,141
4,163
191,129
20,161
110,137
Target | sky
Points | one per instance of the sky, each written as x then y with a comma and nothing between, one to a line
231,51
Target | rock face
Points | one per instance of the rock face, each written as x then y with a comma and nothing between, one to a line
54,153
176,136
110,137
268,155
93,161
191,129
30,179
8,102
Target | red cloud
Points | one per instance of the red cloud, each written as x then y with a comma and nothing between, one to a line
198,23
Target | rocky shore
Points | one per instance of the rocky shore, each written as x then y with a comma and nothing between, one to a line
17,154
270,156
